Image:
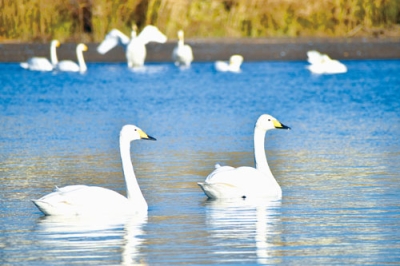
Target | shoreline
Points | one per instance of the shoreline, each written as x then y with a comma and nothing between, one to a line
206,50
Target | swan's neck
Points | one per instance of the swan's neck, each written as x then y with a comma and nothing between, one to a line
133,191
53,55
181,42
81,61
259,152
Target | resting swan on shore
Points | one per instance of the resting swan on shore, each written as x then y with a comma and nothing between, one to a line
135,47
246,182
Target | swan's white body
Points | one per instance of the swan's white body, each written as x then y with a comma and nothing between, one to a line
135,47
247,182
42,63
71,66
182,54
323,64
233,65
91,200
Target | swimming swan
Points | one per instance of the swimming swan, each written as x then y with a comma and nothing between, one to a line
182,54
135,47
323,64
42,63
91,200
235,61
246,182
71,66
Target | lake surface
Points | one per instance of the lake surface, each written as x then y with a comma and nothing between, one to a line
339,166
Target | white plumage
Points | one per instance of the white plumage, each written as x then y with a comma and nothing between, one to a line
42,63
235,61
182,54
92,200
135,47
71,66
246,182
323,64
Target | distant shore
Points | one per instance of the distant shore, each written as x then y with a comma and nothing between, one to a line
205,50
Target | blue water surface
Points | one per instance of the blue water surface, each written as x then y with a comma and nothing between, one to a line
339,166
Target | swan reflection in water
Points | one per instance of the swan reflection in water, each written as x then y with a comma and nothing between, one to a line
97,240
238,226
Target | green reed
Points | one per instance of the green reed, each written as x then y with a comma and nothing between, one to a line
90,20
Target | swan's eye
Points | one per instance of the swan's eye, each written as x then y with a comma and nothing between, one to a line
269,119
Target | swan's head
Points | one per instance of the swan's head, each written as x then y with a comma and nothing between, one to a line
236,60
180,35
55,43
267,122
82,47
131,132
134,31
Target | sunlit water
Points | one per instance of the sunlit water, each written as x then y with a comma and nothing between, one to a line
339,166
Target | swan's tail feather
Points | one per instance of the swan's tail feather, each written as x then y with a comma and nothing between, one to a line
221,190
42,206
24,65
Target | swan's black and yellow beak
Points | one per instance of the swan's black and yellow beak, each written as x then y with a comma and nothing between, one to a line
144,136
279,125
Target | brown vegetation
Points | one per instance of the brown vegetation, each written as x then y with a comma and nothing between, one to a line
90,20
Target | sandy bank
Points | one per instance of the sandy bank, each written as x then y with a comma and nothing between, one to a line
217,49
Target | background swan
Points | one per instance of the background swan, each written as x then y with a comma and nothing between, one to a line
235,61
71,66
89,200
42,63
323,64
182,54
135,47
244,182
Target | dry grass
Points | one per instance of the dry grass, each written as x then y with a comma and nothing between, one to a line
89,20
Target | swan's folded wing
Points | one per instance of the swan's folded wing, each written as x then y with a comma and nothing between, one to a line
221,66
112,39
183,54
218,171
81,200
336,67
38,64
314,57
188,52
69,188
67,65
61,201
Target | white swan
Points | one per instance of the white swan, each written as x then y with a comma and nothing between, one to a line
246,182
42,63
71,66
91,200
235,61
182,54
323,64
135,48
